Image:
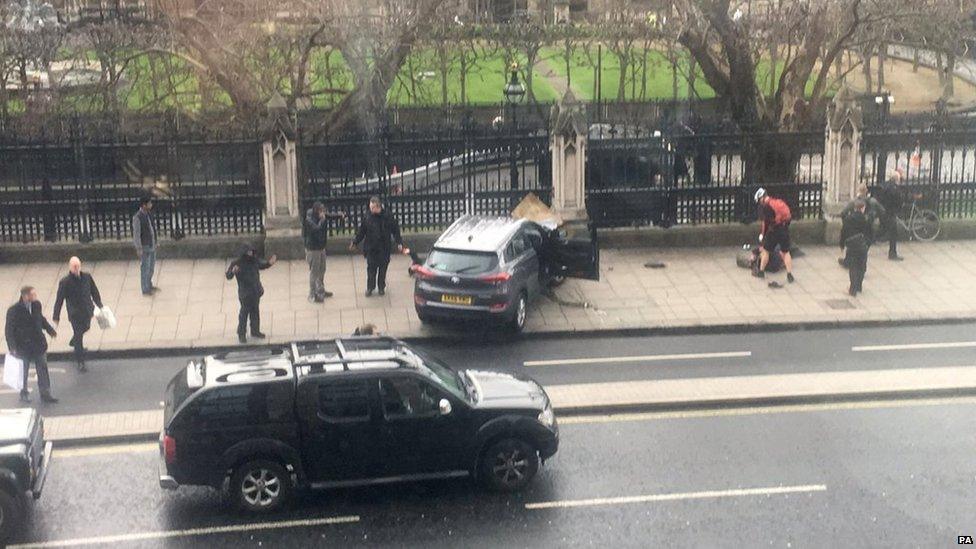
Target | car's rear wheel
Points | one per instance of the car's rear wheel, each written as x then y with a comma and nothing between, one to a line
509,465
261,486
520,312
11,517
423,317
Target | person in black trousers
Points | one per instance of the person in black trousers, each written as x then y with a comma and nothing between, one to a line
891,197
247,269
377,233
25,340
856,237
79,291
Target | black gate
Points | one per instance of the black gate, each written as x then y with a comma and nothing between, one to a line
427,180
89,191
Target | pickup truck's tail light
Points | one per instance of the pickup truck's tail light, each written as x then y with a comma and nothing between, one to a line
497,278
169,449
423,273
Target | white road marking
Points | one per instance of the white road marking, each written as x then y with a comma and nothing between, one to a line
170,534
107,449
645,358
914,346
742,492
758,410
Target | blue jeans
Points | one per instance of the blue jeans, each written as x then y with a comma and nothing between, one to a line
147,267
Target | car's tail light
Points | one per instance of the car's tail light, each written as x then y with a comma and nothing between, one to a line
419,300
423,273
497,307
497,278
169,449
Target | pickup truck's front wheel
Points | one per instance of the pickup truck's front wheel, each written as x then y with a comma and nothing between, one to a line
11,517
509,465
261,486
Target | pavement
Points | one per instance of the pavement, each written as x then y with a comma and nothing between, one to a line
698,289
826,476
118,400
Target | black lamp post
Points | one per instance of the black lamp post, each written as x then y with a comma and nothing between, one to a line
514,92
884,101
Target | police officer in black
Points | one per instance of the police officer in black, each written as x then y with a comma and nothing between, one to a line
893,200
247,269
856,235
377,233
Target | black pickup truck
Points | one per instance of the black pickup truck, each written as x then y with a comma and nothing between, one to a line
24,458
347,412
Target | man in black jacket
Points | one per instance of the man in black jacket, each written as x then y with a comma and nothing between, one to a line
316,229
856,234
892,199
25,340
249,289
377,233
79,291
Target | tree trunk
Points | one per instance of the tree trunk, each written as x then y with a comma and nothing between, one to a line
915,59
950,76
866,69
882,59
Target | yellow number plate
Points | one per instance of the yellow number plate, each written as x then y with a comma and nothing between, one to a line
456,299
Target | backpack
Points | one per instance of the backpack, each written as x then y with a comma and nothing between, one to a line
781,211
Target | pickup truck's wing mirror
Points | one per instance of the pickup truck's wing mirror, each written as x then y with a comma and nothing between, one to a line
445,406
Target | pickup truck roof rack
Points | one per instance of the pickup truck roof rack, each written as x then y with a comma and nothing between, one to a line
350,354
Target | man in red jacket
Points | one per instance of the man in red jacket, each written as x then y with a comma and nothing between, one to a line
774,217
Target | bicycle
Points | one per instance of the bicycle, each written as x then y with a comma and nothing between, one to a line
923,224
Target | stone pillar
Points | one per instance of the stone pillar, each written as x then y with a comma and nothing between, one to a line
279,163
842,158
568,136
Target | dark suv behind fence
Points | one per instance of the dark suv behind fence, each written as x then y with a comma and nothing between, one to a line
491,268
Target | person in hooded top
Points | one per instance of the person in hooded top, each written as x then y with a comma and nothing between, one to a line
247,268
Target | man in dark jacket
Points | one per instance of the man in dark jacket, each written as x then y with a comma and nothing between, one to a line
893,201
25,340
249,290
856,237
144,240
316,229
873,210
377,233
79,291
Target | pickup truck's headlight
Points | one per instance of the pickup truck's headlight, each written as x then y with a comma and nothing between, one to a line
546,417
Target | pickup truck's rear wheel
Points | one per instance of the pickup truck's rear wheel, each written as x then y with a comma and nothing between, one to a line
261,486
509,465
11,517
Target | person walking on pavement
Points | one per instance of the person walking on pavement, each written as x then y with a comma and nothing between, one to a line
79,291
775,217
856,239
25,340
247,269
144,239
316,230
873,210
893,201
377,233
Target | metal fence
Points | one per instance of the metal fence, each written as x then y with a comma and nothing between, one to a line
89,191
427,180
938,164
638,178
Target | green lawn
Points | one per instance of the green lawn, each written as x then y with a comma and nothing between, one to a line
420,82
484,83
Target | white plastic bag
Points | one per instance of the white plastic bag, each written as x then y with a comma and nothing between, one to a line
13,372
105,318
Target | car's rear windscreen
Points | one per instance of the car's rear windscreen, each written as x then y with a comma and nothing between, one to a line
462,262
177,392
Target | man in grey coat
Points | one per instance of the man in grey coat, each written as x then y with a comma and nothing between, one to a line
144,239
316,232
